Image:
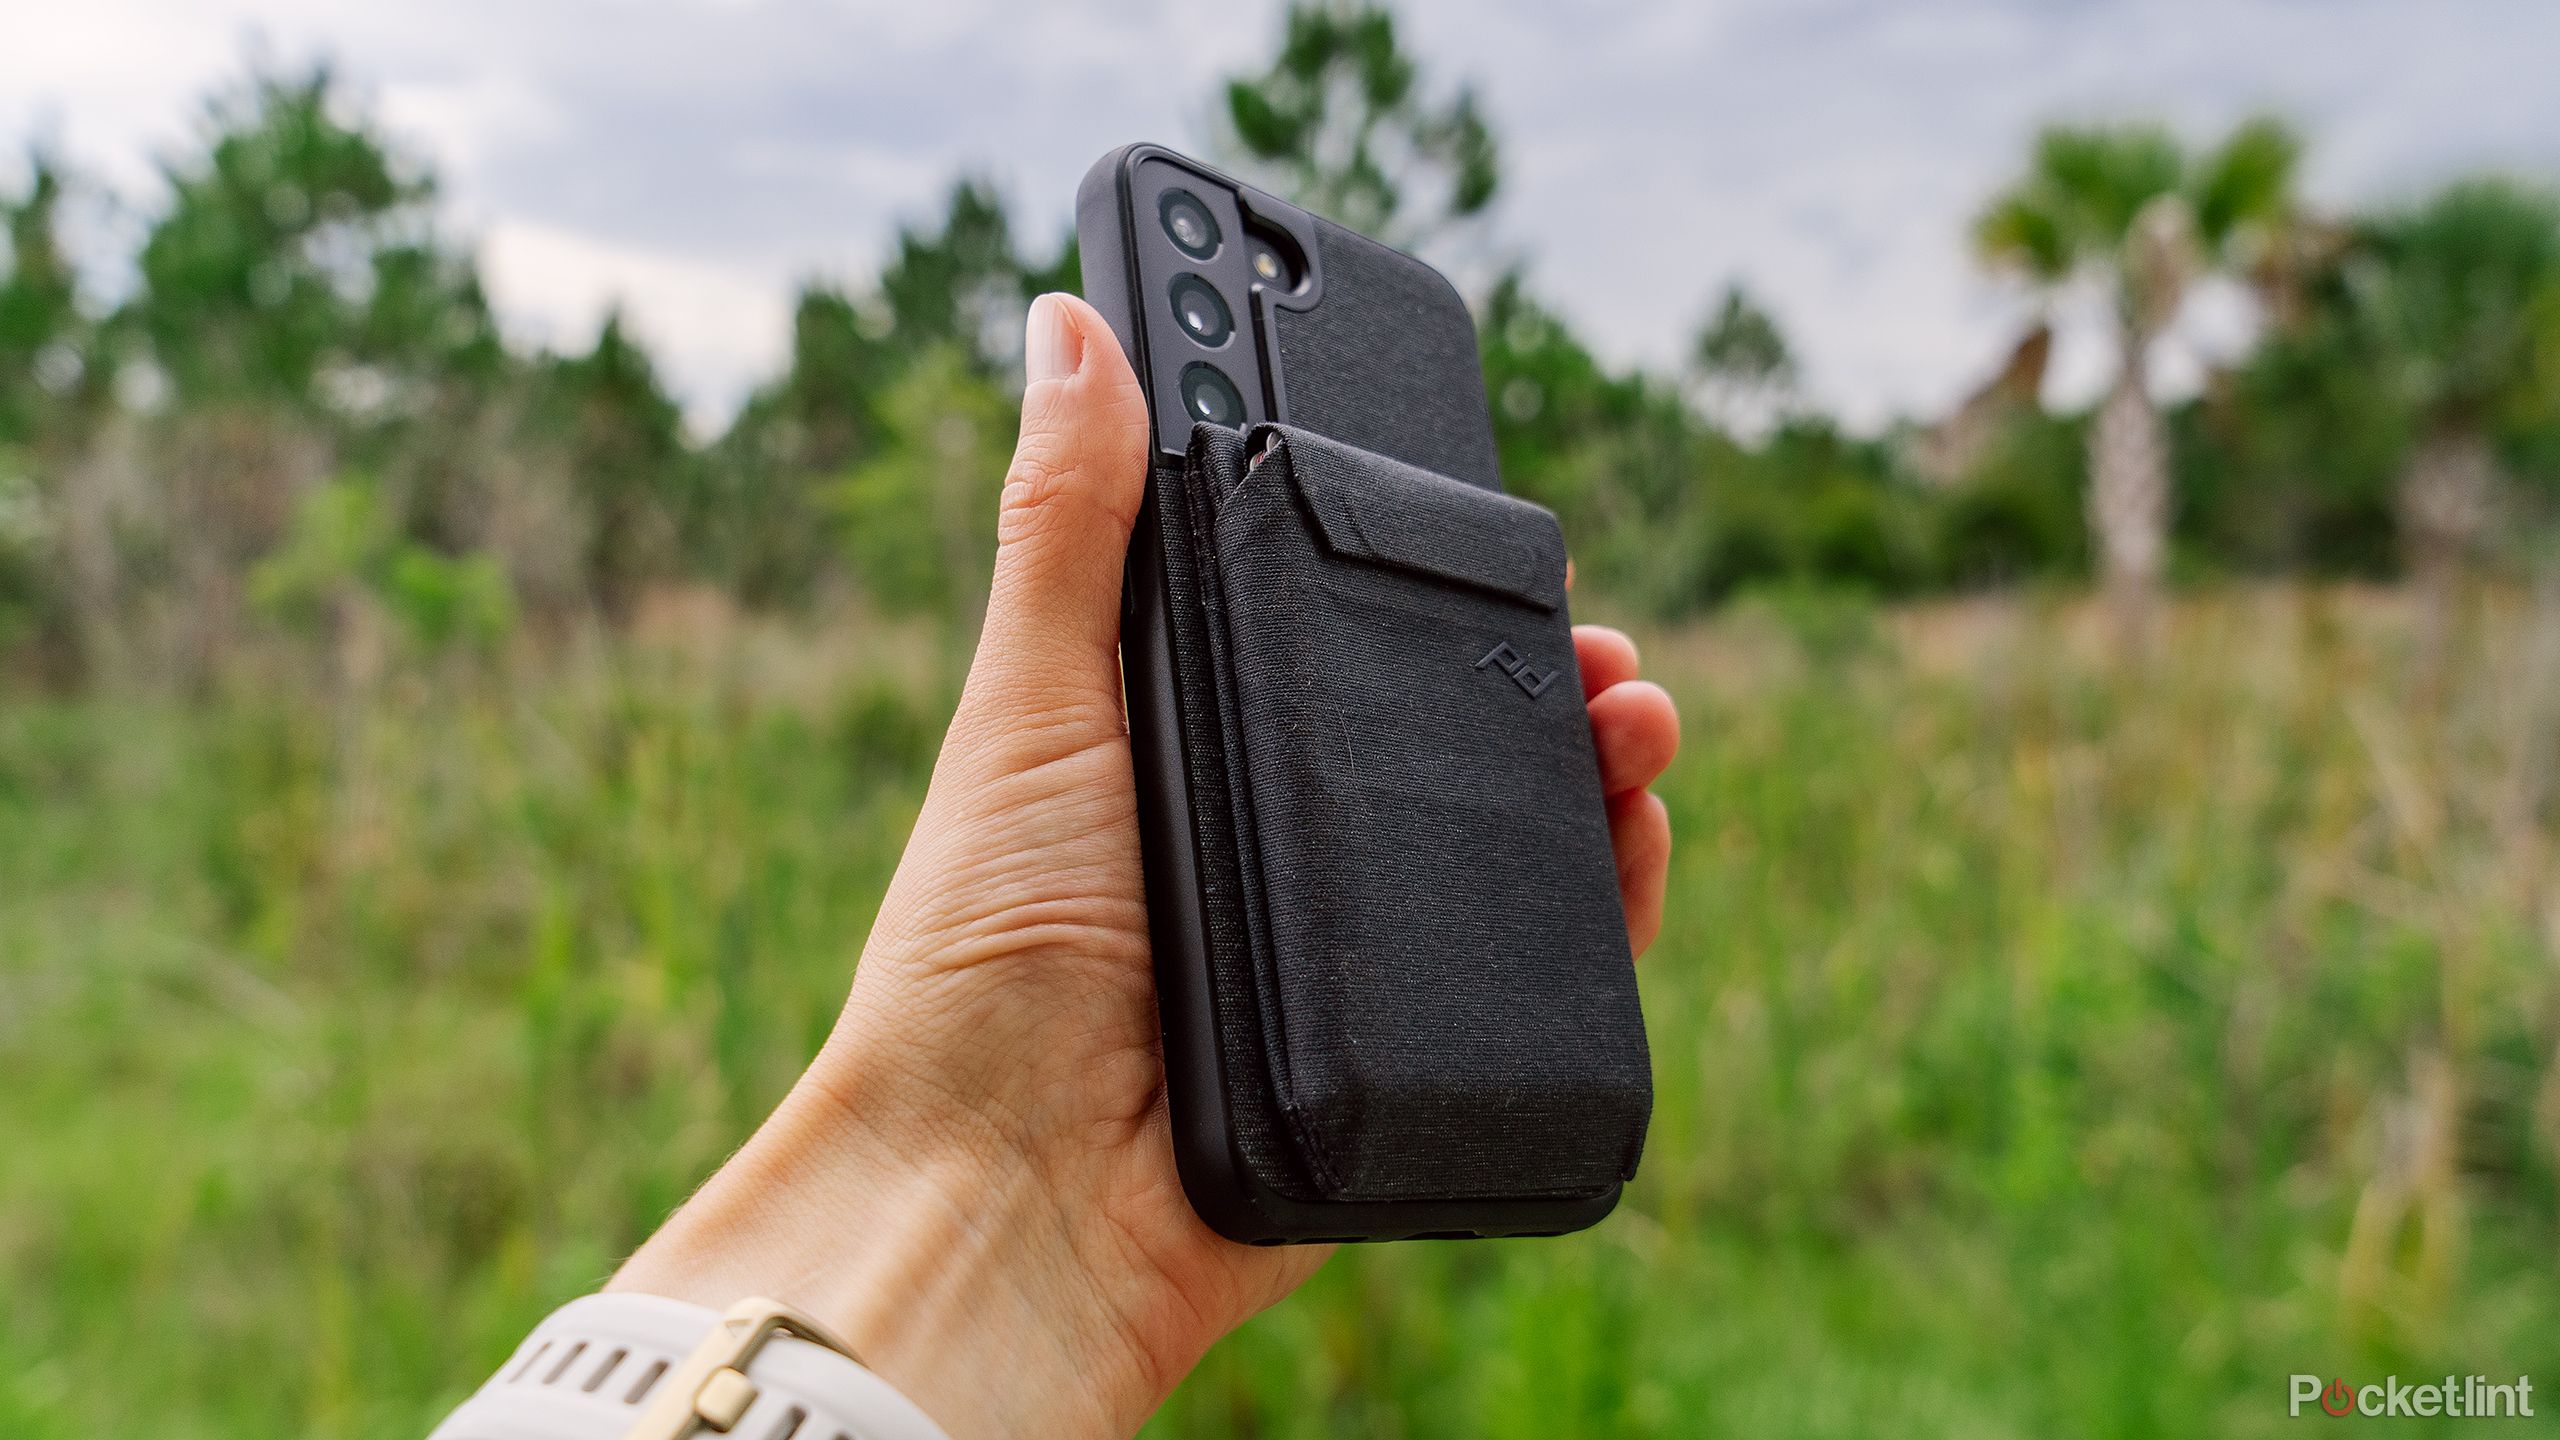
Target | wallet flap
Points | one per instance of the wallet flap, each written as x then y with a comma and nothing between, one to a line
1369,507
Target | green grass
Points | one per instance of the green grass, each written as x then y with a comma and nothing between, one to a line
2042,1046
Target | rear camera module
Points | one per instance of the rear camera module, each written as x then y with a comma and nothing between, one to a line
1193,229
1211,397
1202,311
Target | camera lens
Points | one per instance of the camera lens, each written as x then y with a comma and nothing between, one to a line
1274,259
1193,228
1202,311
1273,268
1210,396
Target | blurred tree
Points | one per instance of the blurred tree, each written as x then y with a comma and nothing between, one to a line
296,318
2450,303
964,285
1339,124
344,559
622,442
769,533
279,237
1668,513
2288,460
48,391
1556,409
44,337
1548,393
294,311
919,517
1846,516
2130,209
2017,515
423,395
959,290
1744,370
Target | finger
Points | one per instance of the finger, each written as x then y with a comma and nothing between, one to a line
1640,833
1636,730
1605,656
1070,497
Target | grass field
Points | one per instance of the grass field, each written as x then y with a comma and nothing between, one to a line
2043,1046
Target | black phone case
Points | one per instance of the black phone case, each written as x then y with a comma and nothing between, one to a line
1394,978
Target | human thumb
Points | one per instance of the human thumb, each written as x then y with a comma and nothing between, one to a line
1049,652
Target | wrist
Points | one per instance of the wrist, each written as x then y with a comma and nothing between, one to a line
940,1257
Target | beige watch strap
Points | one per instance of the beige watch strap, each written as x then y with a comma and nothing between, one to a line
641,1367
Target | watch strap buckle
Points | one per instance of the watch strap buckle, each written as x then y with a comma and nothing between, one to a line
710,1391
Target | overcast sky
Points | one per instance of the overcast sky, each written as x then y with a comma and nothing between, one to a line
695,158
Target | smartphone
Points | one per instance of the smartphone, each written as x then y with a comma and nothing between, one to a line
1235,308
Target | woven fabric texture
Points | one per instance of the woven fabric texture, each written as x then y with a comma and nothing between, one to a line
1387,363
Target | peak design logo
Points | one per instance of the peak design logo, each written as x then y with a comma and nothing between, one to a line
1528,677
2455,1396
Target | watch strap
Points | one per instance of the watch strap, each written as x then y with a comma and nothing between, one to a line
619,1365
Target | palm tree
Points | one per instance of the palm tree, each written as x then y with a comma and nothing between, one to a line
2129,208
2452,302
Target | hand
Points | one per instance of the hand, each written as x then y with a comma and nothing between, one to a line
974,1183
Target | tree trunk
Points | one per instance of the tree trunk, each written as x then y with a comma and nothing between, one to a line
2446,490
2129,500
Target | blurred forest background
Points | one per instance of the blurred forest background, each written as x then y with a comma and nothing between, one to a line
2113,949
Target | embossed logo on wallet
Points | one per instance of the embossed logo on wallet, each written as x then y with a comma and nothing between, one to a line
1531,680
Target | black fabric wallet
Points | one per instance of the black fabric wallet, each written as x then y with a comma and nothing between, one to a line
1423,988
